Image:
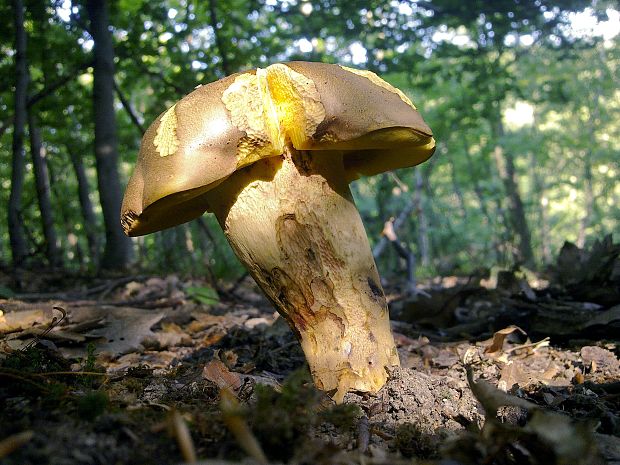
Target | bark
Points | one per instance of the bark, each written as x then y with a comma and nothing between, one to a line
86,206
42,182
17,237
118,247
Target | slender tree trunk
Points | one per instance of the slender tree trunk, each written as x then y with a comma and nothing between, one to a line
42,182
423,240
508,175
457,189
484,207
542,204
398,223
118,248
71,240
86,206
17,237
586,219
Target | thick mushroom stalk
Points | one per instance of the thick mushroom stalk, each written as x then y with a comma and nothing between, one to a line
292,221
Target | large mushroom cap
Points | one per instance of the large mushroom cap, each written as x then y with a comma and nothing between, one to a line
231,123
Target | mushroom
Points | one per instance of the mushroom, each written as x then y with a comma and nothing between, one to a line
272,152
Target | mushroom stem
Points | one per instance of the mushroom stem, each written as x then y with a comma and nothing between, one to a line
293,223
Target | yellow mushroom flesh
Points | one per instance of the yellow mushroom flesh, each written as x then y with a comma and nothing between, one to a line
292,221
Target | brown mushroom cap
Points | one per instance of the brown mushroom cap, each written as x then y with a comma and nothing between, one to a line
228,124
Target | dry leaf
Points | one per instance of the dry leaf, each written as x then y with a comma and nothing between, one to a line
123,329
513,374
499,337
219,374
25,319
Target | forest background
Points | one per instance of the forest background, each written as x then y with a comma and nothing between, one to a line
522,97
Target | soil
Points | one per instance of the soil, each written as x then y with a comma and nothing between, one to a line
162,370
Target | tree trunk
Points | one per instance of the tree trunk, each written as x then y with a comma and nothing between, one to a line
516,213
17,237
484,208
457,189
42,182
70,242
423,240
586,219
542,204
86,206
118,248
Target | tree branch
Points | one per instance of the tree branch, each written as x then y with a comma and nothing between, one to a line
58,84
128,108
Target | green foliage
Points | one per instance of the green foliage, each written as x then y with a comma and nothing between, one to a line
203,294
92,404
464,64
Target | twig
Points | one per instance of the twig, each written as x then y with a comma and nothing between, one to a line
183,436
239,427
363,434
14,442
129,109
69,296
398,223
55,322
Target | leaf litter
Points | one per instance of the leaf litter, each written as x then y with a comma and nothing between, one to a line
494,370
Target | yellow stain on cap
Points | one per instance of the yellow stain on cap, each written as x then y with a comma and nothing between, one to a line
271,106
381,83
166,141
297,101
248,105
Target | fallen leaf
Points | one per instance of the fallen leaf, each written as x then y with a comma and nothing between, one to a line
219,374
122,330
512,374
24,319
498,339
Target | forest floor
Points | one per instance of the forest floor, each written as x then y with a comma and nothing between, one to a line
509,369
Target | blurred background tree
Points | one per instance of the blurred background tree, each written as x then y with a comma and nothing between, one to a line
522,97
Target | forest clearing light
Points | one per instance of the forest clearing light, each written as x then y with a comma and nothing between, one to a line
358,53
304,45
519,116
586,24
306,9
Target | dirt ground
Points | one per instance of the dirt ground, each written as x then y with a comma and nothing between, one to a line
499,369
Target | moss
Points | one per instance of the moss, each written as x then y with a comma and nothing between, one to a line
412,442
282,420
92,404
343,416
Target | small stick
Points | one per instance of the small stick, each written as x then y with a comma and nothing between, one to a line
363,434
